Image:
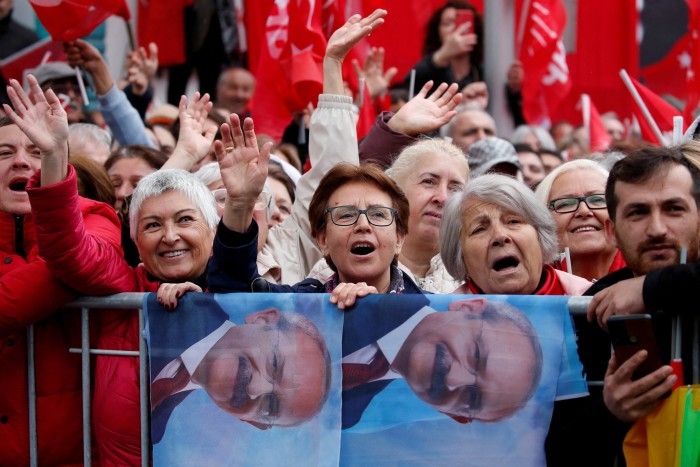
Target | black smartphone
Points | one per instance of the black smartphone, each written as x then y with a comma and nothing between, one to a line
630,334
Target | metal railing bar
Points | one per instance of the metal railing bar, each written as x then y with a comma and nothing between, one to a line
121,353
124,300
31,392
85,360
144,388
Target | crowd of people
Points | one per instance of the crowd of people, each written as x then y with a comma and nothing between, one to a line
141,196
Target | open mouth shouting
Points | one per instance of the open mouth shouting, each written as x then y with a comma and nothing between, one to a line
362,248
505,264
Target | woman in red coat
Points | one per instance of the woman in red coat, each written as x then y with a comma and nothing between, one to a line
172,220
31,294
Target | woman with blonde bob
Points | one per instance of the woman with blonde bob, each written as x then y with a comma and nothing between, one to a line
498,237
429,172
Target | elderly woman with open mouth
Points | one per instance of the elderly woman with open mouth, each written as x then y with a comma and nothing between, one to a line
500,239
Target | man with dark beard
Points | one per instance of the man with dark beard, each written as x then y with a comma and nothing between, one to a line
653,197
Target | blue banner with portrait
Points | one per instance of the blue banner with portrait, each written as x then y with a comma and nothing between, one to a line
288,379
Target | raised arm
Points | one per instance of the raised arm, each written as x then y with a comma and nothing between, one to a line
193,143
78,238
243,171
422,114
124,121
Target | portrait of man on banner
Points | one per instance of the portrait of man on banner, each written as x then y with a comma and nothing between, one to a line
257,373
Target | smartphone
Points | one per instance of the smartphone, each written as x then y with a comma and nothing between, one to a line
465,16
630,334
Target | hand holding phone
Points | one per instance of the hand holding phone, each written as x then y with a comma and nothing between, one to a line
630,334
465,16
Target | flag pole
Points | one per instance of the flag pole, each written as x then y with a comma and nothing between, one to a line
586,111
677,130
412,84
640,103
130,33
521,27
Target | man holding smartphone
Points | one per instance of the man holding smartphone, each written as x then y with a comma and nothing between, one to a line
653,197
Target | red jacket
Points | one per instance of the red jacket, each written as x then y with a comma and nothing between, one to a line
87,264
30,293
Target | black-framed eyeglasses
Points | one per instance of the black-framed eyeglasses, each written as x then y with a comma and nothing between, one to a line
564,205
380,216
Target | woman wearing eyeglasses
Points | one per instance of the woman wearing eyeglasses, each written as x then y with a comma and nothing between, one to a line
575,195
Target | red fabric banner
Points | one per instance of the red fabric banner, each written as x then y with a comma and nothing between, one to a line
661,111
67,20
46,50
605,43
598,138
163,22
542,54
292,61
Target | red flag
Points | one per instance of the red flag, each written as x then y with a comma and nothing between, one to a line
46,50
661,112
604,44
367,115
542,54
598,138
693,74
163,22
67,20
669,43
292,61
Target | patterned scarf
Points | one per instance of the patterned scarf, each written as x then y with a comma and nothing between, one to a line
396,284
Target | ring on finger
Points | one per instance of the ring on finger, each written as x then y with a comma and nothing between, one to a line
230,148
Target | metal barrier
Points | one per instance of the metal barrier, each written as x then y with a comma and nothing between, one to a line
134,300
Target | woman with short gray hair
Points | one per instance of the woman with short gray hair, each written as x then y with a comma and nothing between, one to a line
499,238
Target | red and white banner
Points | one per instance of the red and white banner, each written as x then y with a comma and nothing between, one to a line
541,51
660,111
67,20
46,50
290,69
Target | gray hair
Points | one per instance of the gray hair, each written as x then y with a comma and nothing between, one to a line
505,192
159,182
91,133
210,173
406,162
545,139
544,189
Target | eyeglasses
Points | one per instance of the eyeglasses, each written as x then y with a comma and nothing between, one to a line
381,216
263,201
564,205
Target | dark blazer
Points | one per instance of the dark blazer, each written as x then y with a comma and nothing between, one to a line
364,326
174,332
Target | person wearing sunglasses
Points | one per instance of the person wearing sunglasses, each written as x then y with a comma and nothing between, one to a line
575,195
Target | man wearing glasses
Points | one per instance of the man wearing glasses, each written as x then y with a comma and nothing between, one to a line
272,370
479,360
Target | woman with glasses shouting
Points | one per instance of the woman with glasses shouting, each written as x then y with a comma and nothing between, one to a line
575,195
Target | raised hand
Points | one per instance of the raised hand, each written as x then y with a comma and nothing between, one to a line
243,171
424,114
83,54
458,42
141,67
193,143
42,118
341,41
377,79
